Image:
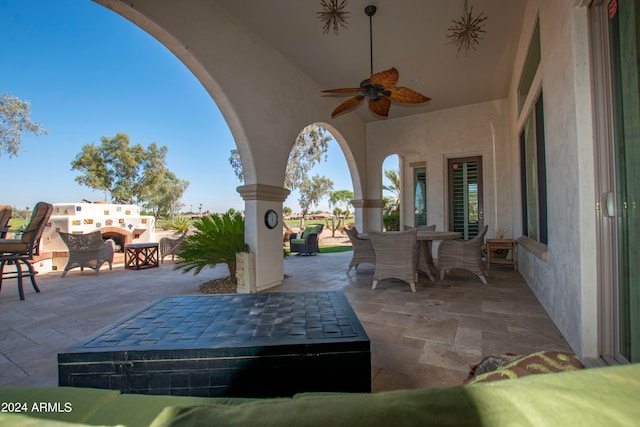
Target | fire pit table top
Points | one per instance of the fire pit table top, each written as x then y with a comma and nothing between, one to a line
220,321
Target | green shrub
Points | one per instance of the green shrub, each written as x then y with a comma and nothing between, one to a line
180,224
391,222
216,240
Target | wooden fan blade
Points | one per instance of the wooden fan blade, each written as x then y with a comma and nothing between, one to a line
345,90
380,107
349,104
386,78
406,95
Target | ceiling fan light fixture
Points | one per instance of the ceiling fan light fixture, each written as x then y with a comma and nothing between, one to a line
380,88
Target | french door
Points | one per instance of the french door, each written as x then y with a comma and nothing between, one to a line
617,25
465,196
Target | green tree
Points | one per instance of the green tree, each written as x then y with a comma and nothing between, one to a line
341,199
165,201
310,146
14,120
129,173
393,200
337,199
312,191
216,240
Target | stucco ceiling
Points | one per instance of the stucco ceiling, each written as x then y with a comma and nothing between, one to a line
407,34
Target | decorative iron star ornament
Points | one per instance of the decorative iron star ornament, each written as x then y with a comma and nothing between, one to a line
465,33
333,15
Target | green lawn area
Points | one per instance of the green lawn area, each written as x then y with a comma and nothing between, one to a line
14,223
17,222
334,249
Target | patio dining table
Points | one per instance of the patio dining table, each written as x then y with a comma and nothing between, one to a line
425,256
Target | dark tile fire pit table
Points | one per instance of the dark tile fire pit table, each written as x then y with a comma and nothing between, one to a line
247,345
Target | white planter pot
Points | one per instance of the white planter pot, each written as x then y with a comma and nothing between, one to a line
246,272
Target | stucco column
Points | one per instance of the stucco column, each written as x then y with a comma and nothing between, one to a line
264,242
368,214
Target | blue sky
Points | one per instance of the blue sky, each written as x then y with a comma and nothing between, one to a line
89,73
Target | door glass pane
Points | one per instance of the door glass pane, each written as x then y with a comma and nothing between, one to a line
420,178
530,68
624,35
530,169
465,178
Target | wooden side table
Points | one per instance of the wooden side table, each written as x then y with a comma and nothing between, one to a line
509,245
140,255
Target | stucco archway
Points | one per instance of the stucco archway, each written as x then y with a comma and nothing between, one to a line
264,99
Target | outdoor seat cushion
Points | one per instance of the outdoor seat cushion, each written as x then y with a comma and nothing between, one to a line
298,241
310,230
542,362
588,397
13,245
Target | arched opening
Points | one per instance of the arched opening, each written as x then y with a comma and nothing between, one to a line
405,191
119,78
323,188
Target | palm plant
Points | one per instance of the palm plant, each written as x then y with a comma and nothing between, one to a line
180,224
394,188
216,240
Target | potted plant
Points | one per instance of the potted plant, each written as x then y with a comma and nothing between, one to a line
216,240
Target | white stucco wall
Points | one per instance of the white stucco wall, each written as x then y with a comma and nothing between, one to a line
565,283
479,129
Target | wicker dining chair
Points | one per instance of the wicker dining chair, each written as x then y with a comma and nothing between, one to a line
463,254
396,256
362,249
88,250
171,246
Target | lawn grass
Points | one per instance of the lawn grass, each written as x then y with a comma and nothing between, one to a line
14,223
335,249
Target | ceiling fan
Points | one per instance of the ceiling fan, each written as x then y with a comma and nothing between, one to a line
380,88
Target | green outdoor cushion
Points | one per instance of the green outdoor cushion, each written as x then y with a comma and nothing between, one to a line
310,230
20,420
84,401
298,241
99,406
589,397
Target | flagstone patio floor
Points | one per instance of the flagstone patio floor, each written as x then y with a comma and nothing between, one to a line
426,339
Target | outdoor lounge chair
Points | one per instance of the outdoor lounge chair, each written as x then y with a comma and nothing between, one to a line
171,246
88,250
5,216
307,243
463,254
396,256
362,249
22,250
